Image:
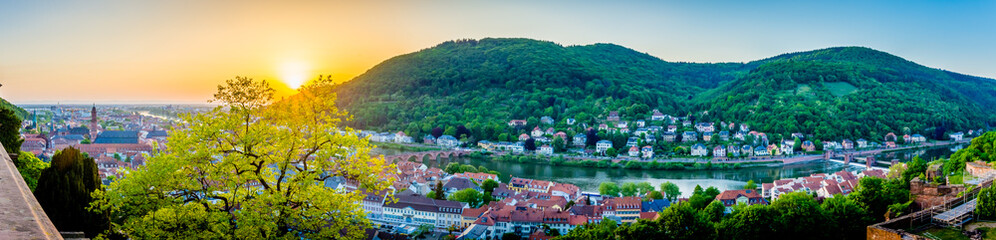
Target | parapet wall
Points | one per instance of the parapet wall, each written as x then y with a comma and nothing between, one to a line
21,217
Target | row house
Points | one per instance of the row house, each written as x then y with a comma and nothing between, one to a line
730,198
414,209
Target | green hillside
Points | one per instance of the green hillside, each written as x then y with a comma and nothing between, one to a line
18,110
844,92
851,92
493,80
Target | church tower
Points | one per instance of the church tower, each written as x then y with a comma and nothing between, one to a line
93,123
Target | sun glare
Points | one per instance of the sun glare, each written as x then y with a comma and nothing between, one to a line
294,74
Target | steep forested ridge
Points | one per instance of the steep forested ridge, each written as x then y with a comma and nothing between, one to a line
484,83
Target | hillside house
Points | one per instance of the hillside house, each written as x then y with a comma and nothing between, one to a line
688,136
580,139
699,150
602,145
537,132
546,120
613,116
545,150
719,151
647,152
634,151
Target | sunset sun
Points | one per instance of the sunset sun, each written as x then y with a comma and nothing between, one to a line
294,73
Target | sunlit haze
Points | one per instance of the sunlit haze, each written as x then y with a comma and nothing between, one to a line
178,51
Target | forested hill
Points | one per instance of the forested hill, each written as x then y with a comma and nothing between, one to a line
17,110
851,92
490,81
493,80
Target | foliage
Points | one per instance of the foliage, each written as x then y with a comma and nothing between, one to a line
983,148
469,196
914,167
800,216
604,230
482,83
749,222
714,211
64,192
834,93
489,185
438,192
681,221
250,169
750,185
609,189
30,168
795,93
655,195
10,126
644,187
700,198
986,205
875,195
628,189
671,191
845,218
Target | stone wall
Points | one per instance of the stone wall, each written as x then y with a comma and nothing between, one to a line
21,217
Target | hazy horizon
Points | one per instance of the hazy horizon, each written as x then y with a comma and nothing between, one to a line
178,52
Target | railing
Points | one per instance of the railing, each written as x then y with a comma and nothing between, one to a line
21,217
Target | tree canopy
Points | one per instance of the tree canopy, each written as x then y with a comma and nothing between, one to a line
251,168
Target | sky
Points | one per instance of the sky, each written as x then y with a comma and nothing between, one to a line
179,51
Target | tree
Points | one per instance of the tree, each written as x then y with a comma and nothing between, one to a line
644,187
986,206
681,221
800,217
700,198
438,192
875,195
714,211
671,191
437,132
797,145
611,152
10,127
608,189
655,195
530,144
469,195
196,187
748,222
452,168
467,168
845,218
591,137
750,185
559,145
642,229
64,192
462,132
628,189
510,236
30,168
452,131
604,230
489,185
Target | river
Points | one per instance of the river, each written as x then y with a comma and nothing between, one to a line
588,179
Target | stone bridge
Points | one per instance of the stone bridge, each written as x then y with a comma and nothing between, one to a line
421,156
